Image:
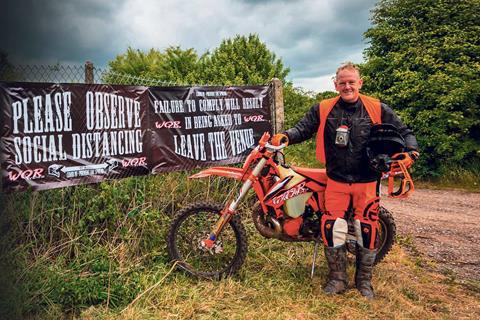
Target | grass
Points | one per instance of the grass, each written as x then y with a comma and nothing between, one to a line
277,285
98,252
456,178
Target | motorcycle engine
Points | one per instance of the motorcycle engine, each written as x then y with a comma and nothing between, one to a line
307,225
311,223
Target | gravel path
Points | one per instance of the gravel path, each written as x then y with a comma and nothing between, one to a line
444,225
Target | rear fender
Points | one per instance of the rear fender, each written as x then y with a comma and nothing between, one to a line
228,172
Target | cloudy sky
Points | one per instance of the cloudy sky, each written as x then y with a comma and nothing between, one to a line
312,37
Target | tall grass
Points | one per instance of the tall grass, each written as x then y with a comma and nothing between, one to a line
88,245
455,176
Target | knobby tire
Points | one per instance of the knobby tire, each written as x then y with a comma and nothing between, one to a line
387,227
192,224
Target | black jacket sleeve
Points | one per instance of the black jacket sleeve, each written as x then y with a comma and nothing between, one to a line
389,116
306,127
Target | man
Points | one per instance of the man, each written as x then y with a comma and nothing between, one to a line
343,127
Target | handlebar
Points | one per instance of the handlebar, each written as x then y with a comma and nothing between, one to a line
272,148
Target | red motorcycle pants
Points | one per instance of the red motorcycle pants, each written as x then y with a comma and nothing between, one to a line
339,197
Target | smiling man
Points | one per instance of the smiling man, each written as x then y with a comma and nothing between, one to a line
342,125
348,83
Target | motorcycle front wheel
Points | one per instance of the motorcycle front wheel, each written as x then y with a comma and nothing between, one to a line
193,224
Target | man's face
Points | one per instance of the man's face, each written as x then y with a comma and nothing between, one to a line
348,85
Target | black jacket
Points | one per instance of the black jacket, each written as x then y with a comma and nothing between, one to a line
348,164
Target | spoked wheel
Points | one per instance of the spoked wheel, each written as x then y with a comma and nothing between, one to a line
386,233
192,225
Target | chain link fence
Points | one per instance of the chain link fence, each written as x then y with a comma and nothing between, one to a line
41,73
73,74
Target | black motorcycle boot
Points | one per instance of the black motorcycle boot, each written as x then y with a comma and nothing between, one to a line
365,260
337,266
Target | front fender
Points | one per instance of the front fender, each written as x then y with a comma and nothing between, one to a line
228,172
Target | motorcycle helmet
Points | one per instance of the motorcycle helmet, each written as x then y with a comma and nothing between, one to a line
384,142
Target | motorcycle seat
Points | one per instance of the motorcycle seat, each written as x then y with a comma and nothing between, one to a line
319,175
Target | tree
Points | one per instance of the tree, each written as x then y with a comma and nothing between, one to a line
7,72
239,61
424,61
180,66
242,60
135,62
174,65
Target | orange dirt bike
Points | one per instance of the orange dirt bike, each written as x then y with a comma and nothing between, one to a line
209,240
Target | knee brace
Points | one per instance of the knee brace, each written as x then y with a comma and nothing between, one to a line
366,233
334,231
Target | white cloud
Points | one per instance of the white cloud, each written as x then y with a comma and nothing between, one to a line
159,24
315,84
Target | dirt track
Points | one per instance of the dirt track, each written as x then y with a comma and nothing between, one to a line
445,227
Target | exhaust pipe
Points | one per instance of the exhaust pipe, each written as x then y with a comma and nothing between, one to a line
265,230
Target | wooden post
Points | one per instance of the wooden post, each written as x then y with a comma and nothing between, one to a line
89,72
278,115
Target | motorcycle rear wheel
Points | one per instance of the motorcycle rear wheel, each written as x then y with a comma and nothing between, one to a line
386,233
387,230
190,226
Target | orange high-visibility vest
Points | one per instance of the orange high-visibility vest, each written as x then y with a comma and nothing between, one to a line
372,106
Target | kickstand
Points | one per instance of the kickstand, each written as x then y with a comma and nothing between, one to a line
315,251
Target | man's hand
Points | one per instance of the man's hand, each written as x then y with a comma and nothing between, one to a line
279,139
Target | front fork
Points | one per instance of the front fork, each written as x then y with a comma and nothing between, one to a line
228,212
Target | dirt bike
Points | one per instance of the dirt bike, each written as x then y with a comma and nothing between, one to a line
209,240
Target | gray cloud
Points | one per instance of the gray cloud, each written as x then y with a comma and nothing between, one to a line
56,31
333,38
311,36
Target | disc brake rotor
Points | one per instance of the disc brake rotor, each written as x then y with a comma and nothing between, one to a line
217,247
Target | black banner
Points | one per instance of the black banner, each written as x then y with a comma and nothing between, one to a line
57,135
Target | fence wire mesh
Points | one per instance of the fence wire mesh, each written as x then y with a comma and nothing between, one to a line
107,76
42,73
73,74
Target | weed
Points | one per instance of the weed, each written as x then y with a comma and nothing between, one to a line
410,294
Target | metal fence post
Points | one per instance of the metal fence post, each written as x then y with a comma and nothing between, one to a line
89,72
279,116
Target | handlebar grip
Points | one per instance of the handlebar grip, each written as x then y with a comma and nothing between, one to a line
279,139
